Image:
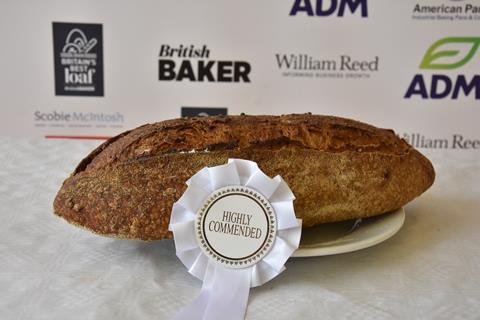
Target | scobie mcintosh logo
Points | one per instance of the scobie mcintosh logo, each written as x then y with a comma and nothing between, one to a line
303,65
444,56
78,58
325,8
191,63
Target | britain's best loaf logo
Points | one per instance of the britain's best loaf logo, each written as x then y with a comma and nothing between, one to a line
78,57
438,81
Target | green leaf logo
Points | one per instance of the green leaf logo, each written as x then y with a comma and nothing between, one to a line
433,53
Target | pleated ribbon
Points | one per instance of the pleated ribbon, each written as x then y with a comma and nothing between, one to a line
225,291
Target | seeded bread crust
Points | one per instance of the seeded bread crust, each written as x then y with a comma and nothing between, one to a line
338,169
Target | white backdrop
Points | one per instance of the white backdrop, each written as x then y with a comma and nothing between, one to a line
394,38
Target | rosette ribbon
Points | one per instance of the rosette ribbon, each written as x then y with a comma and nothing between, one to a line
225,291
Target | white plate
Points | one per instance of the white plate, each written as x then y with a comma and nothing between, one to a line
347,236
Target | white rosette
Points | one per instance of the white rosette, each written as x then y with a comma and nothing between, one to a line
236,172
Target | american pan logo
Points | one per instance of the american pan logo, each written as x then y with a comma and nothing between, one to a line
325,8
443,57
452,10
78,59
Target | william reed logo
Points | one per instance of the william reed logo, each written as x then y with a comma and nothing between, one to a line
343,66
325,8
190,63
445,55
78,55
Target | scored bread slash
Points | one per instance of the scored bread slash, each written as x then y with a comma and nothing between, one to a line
337,168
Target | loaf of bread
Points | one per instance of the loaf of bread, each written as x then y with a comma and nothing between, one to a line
337,168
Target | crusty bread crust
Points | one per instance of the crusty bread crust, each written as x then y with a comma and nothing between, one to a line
337,168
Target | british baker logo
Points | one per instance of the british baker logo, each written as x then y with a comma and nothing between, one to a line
324,8
444,56
191,63
301,65
78,59
451,10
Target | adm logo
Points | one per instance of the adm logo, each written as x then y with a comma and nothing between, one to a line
78,58
322,8
444,55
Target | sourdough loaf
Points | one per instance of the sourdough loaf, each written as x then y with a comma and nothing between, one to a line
337,168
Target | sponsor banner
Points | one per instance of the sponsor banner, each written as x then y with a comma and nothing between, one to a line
411,65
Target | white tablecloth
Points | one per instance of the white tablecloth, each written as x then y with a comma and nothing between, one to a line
52,270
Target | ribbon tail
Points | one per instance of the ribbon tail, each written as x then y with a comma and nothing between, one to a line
224,295
196,309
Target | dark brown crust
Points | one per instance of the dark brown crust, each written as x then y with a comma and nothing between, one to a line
323,133
338,169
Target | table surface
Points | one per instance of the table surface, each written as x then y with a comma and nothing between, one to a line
52,270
